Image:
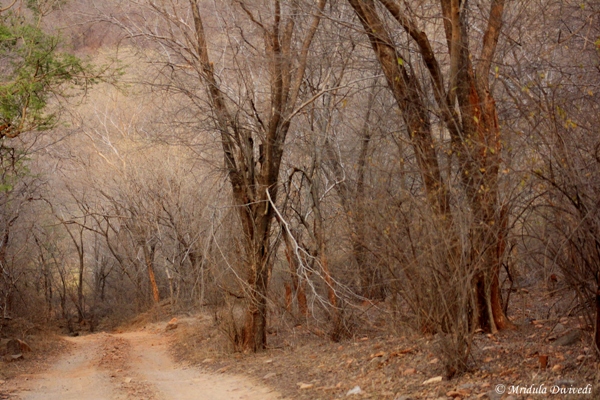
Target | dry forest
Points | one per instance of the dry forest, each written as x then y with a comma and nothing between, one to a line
386,199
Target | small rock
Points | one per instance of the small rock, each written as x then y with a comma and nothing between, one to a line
409,371
17,346
569,339
269,361
304,386
127,380
172,324
433,380
354,390
269,375
557,368
208,360
559,328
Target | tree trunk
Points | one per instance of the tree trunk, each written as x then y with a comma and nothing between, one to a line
250,178
371,279
80,298
298,283
372,285
480,176
6,279
254,333
408,94
474,132
149,259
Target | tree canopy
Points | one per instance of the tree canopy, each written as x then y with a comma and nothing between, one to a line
35,72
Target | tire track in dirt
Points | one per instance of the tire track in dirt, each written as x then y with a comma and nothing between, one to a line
127,366
150,362
72,377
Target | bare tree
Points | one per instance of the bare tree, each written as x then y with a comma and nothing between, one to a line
268,43
461,92
556,69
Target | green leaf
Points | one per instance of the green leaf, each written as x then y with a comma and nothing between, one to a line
34,70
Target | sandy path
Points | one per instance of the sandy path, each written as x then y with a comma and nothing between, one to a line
133,365
72,377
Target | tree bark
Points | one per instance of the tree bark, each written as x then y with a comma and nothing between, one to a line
408,94
298,288
474,132
149,261
251,179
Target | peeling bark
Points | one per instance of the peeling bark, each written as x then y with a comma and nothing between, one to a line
474,132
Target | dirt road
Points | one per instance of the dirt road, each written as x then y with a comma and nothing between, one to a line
133,365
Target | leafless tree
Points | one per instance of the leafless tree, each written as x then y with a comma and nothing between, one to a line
265,45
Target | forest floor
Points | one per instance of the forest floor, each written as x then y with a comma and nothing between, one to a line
397,363
507,365
379,361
